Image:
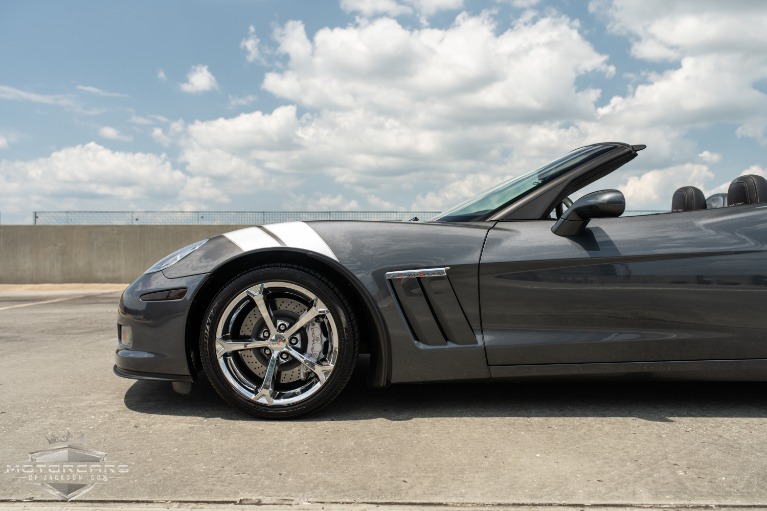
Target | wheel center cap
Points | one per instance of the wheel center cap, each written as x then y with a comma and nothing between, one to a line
278,342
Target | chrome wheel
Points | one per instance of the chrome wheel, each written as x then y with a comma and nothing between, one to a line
276,343
279,341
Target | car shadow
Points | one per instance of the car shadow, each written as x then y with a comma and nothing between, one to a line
652,401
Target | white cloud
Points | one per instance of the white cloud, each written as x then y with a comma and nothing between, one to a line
423,8
199,191
320,202
14,94
238,176
709,157
111,133
755,128
375,7
166,137
147,120
256,130
252,46
238,154
391,110
716,51
92,177
466,72
431,7
390,106
520,4
454,192
199,79
141,120
654,189
377,203
160,137
662,30
99,92
240,101
161,76
701,91
88,176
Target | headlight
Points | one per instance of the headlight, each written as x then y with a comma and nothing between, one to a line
168,261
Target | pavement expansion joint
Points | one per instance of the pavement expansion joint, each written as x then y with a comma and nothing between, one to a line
355,505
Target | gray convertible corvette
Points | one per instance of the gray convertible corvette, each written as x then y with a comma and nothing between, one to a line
518,282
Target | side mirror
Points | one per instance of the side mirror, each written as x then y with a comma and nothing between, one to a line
602,204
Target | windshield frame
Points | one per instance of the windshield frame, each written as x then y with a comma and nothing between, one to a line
501,196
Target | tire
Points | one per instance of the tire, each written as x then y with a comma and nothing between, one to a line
291,364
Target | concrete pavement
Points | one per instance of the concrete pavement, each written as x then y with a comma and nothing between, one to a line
521,446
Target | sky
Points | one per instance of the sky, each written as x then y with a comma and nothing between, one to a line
239,105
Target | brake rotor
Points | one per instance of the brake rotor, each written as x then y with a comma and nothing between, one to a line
311,339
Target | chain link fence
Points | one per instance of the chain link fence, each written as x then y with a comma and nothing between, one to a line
214,217
230,217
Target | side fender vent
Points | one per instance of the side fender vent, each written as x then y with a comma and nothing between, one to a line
430,307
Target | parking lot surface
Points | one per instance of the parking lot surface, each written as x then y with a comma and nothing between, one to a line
561,444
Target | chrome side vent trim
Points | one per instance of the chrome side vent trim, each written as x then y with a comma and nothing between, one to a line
416,274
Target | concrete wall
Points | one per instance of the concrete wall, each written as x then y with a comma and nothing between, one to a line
55,254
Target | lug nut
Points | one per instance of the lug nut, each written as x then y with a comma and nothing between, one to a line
267,352
265,334
284,356
293,341
282,327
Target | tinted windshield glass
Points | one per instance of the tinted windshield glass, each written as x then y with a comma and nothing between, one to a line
478,207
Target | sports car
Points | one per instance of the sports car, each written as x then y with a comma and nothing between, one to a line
518,282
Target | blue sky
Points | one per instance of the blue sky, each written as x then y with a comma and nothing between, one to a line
367,104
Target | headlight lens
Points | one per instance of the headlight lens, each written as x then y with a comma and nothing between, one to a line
168,261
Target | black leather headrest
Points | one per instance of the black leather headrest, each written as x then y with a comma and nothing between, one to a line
750,189
688,198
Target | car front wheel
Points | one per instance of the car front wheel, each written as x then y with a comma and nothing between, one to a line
279,342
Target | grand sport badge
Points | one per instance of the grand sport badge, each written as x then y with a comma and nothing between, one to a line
69,470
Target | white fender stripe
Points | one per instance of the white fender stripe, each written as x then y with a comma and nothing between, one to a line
301,235
251,238
292,234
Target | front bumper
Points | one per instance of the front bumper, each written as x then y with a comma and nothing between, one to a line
157,348
136,375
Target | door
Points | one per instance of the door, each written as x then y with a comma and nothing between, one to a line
676,286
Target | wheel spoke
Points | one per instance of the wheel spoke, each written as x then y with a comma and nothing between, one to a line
225,345
267,387
322,371
258,297
311,313
305,313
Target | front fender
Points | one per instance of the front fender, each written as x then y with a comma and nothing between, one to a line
374,329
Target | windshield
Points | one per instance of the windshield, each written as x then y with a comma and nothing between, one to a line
478,207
